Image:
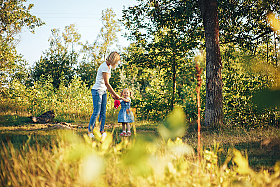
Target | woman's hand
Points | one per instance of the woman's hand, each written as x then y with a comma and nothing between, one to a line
117,97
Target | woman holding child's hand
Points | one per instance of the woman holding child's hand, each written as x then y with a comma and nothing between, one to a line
99,93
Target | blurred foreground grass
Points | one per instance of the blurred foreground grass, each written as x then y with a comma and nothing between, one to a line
153,156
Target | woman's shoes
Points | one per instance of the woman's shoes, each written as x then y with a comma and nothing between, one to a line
104,135
90,135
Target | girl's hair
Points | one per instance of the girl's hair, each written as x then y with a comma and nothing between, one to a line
130,93
113,59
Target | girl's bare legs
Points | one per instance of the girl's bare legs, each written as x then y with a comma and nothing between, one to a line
128,129
123,130
123,127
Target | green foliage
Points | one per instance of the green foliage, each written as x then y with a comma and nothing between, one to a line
241,82
59,60
108,33
267,98
165,41
14,98
14,16
174,126
238,17
73,101
87,71
96,53
163,24
69,102
40,97
153,87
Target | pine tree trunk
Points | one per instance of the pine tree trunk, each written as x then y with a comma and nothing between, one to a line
214,84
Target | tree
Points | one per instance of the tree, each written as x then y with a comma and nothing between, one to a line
167,42
13,17
59,60
108,33
241,23
105,39
153,86
96,53
214,84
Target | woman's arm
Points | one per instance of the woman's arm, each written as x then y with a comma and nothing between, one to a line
109,87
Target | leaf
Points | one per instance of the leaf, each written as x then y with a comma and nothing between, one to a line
106,142
179,148
267,98
91,167
242,163
175,124
277,166
79,151
137,157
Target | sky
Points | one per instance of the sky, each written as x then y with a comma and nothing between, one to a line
85,14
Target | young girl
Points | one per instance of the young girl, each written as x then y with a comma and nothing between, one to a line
125,115
99,94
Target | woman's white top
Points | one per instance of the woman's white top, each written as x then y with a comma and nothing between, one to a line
100,83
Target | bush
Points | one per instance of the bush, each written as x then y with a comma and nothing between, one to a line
241,83
71,102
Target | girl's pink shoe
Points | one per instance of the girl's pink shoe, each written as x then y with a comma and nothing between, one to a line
123,134
128,134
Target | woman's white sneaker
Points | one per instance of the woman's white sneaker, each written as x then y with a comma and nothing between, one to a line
90,135
104,135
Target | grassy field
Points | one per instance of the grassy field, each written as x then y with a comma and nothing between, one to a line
261,147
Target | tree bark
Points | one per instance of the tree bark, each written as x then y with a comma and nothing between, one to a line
214,84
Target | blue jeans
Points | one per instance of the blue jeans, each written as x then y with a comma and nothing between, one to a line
99,98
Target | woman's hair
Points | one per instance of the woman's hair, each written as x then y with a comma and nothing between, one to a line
113,59
130,93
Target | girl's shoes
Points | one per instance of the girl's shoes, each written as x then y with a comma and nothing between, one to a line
128,134
123,134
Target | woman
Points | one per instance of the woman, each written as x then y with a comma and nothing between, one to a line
99,94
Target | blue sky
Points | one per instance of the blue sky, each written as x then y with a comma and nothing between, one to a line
85,14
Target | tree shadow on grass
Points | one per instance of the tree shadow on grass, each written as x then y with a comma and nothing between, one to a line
13,120
19,138
260,146
260,155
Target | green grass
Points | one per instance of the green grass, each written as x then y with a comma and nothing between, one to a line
32,154
247,141
13,120
18,129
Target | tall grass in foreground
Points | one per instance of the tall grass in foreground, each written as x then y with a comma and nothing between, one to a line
72,160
